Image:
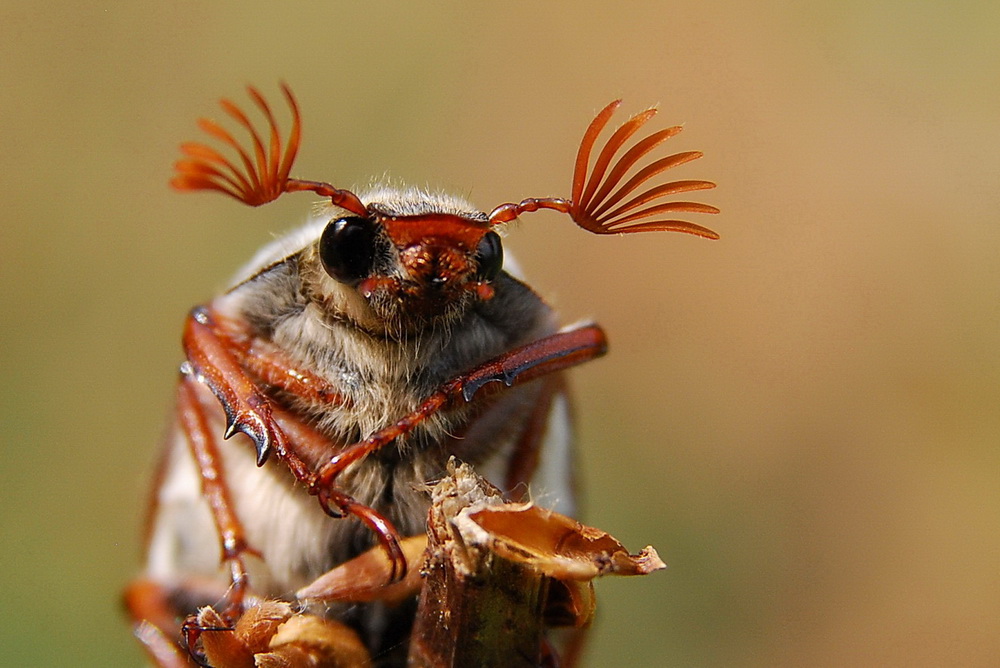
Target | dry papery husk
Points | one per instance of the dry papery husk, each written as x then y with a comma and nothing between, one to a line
270,634
553,544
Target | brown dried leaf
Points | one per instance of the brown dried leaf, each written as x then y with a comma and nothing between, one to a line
557,545
260,622
270,634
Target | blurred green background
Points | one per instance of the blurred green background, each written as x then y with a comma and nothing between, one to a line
802,417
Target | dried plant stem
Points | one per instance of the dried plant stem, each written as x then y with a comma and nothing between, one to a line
476,608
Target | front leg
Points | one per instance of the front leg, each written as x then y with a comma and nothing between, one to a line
223,357
204,450
538,358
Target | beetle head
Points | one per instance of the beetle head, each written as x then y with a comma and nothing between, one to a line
414,257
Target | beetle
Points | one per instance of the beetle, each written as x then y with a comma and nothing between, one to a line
353,357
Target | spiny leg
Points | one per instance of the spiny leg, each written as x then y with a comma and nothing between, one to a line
204,450
216,359
224,360
309,447
148,606
545,356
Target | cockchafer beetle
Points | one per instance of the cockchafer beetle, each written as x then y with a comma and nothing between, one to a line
357,354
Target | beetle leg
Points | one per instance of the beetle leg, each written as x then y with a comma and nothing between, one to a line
211,360
335,500
307,447
544,356
160,649
148,606
194,424
363,578
264,361
224,363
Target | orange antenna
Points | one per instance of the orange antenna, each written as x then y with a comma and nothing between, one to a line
595,196
264,176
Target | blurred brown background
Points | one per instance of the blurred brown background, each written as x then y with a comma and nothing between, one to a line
802,417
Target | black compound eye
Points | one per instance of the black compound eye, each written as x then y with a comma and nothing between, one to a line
489,256
347,249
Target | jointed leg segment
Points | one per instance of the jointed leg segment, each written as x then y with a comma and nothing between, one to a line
548,355
204,450
225,362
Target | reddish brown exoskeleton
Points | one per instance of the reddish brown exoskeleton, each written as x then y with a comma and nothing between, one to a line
356,355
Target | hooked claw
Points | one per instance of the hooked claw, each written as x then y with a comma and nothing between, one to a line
255,425
210,361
